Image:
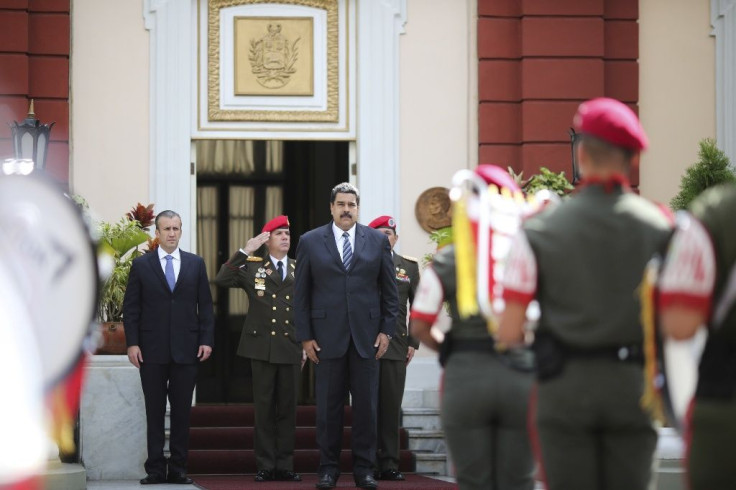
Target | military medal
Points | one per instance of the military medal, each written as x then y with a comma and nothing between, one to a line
268,271
260,293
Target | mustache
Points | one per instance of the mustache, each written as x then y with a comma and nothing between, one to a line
346,214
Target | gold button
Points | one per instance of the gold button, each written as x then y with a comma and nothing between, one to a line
286,334
254,332
403,335
273,333
273,321
274,308
286,297
288,309
286,322
273,296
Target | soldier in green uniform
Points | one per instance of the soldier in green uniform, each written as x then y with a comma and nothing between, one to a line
485,394
583,261
268,341
392,376
697,288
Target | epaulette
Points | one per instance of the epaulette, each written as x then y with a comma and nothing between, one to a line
253,258
410,258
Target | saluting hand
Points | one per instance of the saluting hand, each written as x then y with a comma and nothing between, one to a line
311,348
382,344
256,242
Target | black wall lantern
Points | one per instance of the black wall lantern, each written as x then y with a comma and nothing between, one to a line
31,139
574,138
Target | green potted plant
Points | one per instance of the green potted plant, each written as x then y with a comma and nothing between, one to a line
713,167
121,242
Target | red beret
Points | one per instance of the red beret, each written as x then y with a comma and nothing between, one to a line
278,222
383,222
611,121
494,174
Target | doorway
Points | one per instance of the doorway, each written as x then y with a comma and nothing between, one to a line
241,184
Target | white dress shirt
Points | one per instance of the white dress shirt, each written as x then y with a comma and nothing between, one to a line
176,262
339,239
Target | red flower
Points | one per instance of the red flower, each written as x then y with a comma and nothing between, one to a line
143,214
152,244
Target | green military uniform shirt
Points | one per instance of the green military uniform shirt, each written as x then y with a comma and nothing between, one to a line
268,334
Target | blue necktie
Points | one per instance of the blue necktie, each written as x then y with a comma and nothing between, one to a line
169,272
280,269
347,250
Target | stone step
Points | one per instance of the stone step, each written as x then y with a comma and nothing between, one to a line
419,398
68,476
428,463
421,418
432,440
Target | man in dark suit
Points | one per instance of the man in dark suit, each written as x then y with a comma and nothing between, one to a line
392,377
169,326
345,303
269,341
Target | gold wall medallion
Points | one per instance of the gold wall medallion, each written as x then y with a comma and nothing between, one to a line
433,209
274,56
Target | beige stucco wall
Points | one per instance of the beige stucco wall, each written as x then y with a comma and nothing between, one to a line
438,105
676,89
109,105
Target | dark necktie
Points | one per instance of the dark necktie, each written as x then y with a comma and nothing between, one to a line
169,272
347,250
280,269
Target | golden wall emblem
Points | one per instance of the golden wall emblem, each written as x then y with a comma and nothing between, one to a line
272,58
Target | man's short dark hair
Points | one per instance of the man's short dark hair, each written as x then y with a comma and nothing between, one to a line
344,188
167,214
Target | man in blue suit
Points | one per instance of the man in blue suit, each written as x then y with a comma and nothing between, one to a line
169,326
345,308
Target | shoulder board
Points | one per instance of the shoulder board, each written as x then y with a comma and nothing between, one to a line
410,258
254,259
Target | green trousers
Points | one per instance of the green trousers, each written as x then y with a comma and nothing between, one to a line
710,460
484,416
592,431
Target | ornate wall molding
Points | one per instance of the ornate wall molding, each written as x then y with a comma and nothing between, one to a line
723,20
216,54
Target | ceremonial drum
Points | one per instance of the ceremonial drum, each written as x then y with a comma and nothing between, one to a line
49,258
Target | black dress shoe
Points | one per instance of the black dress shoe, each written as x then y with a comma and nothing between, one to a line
365,481
179,479
286,475
326,481
153,479
391,475
264,475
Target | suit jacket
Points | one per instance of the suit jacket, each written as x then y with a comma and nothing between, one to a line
332,304
168,326
268,333
407,279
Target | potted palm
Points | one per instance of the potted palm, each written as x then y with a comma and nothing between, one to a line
121,243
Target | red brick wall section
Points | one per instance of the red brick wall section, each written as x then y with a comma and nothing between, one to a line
34,64
538,60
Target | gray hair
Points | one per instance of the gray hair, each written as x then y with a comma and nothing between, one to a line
167,214
344,188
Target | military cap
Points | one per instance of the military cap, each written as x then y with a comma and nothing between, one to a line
493,174
611,121
278,222
383,222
